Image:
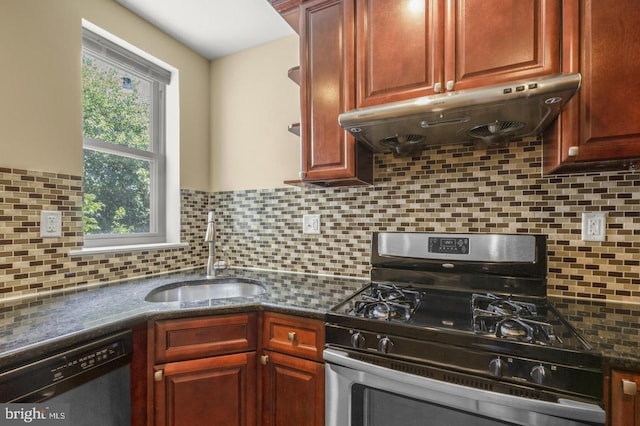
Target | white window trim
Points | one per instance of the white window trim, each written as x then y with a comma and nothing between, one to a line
172,155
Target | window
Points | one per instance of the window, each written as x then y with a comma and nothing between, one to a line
124,145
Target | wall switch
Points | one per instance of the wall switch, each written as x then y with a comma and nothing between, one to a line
594,226
50,224
311,224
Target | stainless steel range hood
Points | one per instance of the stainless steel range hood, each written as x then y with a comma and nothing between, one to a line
492,115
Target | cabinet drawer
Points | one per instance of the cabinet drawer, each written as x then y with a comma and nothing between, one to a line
292,335
191,338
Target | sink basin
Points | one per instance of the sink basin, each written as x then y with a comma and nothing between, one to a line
205,289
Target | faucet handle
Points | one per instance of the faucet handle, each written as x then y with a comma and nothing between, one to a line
222,264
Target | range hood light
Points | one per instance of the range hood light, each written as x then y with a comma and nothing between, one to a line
553,100
495,127
442,121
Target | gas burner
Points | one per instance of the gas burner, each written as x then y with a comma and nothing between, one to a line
387,302
502,306
382,310
511,319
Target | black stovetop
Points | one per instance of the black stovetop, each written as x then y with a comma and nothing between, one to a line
471,303
459,312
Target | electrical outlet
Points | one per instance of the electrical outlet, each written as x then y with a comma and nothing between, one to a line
50,224
594,226
311,224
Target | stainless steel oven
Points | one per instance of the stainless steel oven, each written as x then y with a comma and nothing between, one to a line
456,329
361,393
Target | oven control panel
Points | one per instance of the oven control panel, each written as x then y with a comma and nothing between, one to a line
453,245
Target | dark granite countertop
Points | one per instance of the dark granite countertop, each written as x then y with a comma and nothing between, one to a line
612,328
34,326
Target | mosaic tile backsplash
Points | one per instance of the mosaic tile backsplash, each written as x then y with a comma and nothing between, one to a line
447,189
31,264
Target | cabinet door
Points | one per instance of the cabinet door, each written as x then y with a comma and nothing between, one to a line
600,127
209,391
625,405
493,41
327,69
399,52
293,391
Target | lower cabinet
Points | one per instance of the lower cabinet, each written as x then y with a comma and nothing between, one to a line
624,401
292,371
293,391
204,371
210,391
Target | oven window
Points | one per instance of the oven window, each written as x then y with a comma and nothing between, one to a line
373,407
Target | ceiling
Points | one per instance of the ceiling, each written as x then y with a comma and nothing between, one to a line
213,28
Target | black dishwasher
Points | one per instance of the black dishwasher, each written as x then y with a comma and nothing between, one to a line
92,379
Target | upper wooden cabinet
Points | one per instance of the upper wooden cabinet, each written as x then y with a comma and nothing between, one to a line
289,10
357,53
400,50
600,127
330,155
411,48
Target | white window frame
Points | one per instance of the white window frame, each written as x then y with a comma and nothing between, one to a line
164,155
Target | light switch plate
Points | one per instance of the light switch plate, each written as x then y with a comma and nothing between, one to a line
50,224
594,226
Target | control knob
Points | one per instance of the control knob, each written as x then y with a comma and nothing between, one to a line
385,345
357,340
497,367
540,374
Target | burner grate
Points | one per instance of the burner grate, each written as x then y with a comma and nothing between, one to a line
388,302
511,319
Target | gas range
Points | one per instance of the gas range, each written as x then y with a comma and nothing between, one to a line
467,308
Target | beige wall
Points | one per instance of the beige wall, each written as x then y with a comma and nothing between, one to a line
252,103
40,101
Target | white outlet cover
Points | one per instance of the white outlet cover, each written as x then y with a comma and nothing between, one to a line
594,226
311,224
50,224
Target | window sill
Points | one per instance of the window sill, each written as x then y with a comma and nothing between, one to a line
120,249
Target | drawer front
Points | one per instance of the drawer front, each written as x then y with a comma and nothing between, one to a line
190,338
292,335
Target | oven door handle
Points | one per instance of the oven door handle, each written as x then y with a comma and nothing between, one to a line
483,402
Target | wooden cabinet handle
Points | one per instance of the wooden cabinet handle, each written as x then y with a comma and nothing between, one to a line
264,359
157,376
629,387
291,336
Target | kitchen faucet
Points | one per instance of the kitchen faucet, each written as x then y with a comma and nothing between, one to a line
213,267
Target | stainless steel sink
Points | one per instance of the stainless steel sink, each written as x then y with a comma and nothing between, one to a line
205,289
